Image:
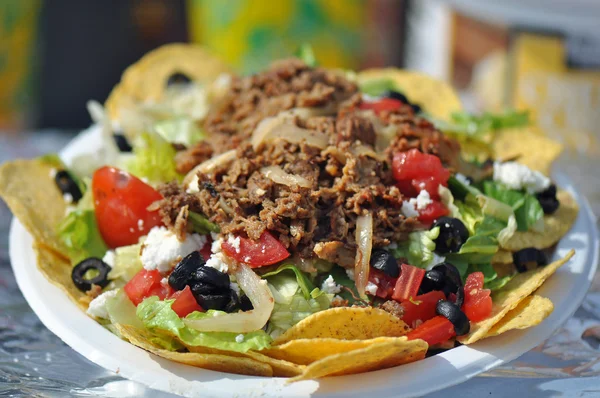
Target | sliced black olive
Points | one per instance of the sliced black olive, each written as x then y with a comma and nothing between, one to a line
185,271
548,200
246,304
122,143
384,261
201,288
212,301
434,280
210,276
549,192
178,78
92,263
395,95
453,234
453,313
67,185
452,282
234,303
529,255
416,108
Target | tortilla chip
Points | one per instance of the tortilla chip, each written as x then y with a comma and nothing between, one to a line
146,79
530,312
307,351
509,297
436,97
346,323
34,198
502,257
518,142
555,226
217,362
377,356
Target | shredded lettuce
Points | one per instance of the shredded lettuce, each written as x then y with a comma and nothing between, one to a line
154,159
375,87
419,247
480,127
291,304
306,286
158,317
527,209
127,263
201,225
180,130
79,231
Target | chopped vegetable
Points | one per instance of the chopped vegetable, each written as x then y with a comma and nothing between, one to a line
154,159
453,313
266,251
146,284
78,275
434,331
364,242
418,249
201,225
185,303
421,308
478,303
407,285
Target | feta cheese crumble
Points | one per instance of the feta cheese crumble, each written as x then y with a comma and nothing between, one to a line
162,250
371,288
410,207
97,307
337,300
330,287
350,273
68,198
239,338
462,179
193,186
235,242
109,258
216,258
518,176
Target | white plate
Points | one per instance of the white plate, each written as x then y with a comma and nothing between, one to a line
566,289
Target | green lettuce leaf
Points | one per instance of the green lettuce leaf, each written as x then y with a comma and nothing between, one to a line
154,159
527,209
127,263
482,245
479,127
158,316
419,247
306,286
305,53
375,87
201,225
79,232
180,130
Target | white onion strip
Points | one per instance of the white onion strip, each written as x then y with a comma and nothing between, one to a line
272,128
277,175
260,296
364,241
210,164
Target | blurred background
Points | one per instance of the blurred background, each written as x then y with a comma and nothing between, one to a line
540,55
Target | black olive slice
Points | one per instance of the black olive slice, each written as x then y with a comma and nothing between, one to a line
246,304
452,282
210,276
185,271
395,95
178,78
212,301
549,192
453,234
92,263
529,255
549,205
67,185
200,288
416,108
453,313
122,143
384,261
234,303
434,279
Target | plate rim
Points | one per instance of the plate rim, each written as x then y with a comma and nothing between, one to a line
484,360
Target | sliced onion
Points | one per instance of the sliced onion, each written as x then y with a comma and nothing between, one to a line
209,165
261,298
366,150
508,231
364,241
336,152
276,174
283,127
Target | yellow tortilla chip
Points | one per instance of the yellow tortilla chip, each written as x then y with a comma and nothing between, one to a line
146,79
346,323
509,297
531,149
217,362
307,351
502,257
555,226
436,97
31,194
530,312
377,356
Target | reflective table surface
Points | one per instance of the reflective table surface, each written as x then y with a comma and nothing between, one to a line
35,363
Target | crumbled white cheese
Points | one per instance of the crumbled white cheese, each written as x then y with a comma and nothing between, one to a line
109,258
371,288
408,209
239,338
518,176
235,242
216,258
162,250
97,307
193,186
422,200
164,282
350,273
140,224
236,288
53,172
330,287
68,198
214,236
462,179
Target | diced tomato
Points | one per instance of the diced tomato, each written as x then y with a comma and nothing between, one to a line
120,203
206,249
432,212
478,303
414,164
429,184
185,303
421,308
434,331
408,283
385,283
384,104
266,251
145,284
407,188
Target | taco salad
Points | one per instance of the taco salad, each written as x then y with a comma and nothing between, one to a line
302,222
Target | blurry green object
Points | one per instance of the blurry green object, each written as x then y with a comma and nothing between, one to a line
306,54
251,34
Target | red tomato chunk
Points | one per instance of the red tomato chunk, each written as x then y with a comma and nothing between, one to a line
407,285
266,251
478,303
434,331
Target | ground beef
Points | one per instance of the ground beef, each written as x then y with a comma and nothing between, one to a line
394,308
